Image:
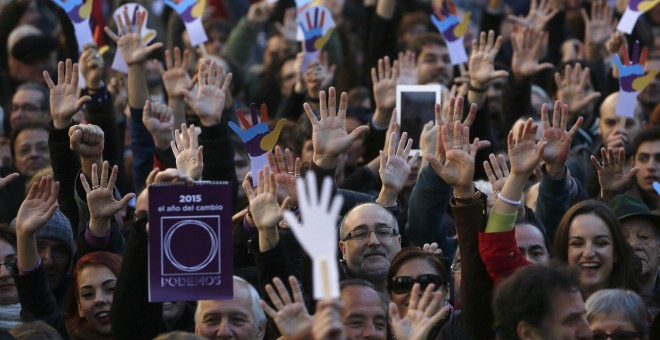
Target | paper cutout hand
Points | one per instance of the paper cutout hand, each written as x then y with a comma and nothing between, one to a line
256,137
451,28
188,10
315,38
75,9
631,78
642,5
318,233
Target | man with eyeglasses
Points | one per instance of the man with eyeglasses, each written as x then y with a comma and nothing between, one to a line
369,240
30,105
30,153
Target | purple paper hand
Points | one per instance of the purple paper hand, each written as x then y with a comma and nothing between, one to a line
446,20
631,72
256,137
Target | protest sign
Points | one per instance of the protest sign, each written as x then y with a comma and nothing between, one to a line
190,242
317,26
191,12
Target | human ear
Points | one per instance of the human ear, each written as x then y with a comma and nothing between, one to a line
526,331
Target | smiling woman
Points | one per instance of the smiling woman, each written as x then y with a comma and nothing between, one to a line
90,297
589,237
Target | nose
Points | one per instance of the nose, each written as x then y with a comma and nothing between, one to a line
373,239
101,298
4,272
634,242
224,331
45,254
369,330
588,250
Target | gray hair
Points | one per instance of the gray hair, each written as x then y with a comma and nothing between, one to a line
625,304
45,93
257,312
342,230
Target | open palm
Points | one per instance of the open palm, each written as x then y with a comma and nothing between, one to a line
558,140
38,207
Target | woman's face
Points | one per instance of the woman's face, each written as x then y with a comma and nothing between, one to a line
611,325
590,248
8,292
414,268
96,284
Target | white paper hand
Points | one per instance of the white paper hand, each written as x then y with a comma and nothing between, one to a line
318,233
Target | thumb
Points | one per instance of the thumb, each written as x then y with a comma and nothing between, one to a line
359,131
75,138
544,66
124,201
187,96
269,140
82,101
631,173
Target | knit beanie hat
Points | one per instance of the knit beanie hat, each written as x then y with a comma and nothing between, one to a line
58,228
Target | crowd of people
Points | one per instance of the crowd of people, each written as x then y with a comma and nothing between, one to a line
527,209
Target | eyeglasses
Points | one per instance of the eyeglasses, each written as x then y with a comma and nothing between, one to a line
404,284
456,267
27,107
362,234
10,264
620,335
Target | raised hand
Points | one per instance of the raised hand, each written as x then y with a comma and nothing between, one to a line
611,172
64,101
159,121
631,78
288,28
558,140
497,172
524,152
329,135
540,12
527,49
189,156
615,42
259,12
176,77
130,44
598,28
264,210
384,84
117,89
423,313
317,233
38,207
395,167
574,89
8,179
319,75
91,66
291,316
432,248
482,60
87,140
100,198
408,73
286,171
210,99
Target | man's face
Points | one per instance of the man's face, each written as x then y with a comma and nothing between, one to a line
609,122
494,94
434,65
364,314
55,258
370,258
228,319
641,235
27,107
31,151
531,244
8,292
567,319
288,76
647,158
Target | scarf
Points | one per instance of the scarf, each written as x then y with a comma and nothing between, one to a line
10,316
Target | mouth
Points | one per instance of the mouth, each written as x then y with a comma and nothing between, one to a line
590,267
7,286
103,317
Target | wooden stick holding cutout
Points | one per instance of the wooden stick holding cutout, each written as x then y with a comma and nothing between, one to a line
317,233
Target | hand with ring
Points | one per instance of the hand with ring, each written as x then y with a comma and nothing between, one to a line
286,171
189,156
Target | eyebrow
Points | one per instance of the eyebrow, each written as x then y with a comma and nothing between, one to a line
102,284
376,226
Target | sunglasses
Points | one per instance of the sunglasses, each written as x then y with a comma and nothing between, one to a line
404,284
620,335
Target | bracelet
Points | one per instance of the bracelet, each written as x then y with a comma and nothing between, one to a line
476,89
506,200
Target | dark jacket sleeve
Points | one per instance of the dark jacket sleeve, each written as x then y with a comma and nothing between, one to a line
426,209
142,147
66,165
555,197
37,302
132,315
476,285
516,100
100,112
218,155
